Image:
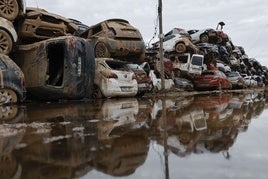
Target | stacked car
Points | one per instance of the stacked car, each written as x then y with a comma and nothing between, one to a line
62,58
210,50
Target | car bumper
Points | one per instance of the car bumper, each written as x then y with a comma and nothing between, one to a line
114,88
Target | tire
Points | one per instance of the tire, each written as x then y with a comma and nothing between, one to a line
177,72
204,38
6,42
101,51
8,112
8,96
180,47
9,9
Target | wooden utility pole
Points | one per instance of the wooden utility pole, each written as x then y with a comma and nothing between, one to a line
161,37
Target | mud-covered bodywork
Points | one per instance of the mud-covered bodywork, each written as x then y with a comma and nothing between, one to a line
58,68
12,87
114,79
39,24
116,38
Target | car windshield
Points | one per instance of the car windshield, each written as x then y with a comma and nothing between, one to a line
134,66
207,73
183,58
232,74
197,60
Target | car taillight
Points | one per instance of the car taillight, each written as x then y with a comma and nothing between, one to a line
112,75
150,79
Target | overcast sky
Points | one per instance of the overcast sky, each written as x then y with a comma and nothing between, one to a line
246,20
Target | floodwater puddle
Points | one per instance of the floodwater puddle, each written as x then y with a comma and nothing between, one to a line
137,138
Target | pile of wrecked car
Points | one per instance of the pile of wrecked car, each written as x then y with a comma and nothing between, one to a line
53,57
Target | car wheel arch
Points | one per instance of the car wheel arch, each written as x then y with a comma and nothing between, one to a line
11,39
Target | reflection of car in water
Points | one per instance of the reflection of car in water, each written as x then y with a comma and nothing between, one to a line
58,68
119,115
121,156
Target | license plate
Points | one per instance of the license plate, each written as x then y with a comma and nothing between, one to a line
126,89
142,85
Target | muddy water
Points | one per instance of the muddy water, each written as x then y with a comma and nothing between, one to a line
201,136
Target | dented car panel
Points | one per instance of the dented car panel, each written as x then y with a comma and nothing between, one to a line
11,80
58,68
116,38
114,78
39,24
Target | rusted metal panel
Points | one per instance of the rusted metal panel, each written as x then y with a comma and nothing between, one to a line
58,68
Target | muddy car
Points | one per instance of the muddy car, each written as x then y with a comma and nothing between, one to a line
11,9
176,43
8,36
58,68
144,82
212,80
12,89
39,24
114,79
157,84
116,38
203,35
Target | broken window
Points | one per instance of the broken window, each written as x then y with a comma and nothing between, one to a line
56,64
117,65
183,59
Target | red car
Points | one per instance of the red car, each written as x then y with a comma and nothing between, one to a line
211,80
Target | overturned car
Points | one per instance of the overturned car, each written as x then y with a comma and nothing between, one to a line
58,68
38,24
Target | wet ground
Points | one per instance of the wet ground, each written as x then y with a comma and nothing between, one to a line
200,136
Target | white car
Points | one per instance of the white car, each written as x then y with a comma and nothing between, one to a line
113,79
156,79
8,36
203,35
176,43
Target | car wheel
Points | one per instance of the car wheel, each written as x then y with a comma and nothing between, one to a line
97,93
9,9
101,51
8,96
177,72
8,112
6,42
204,38
180,47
